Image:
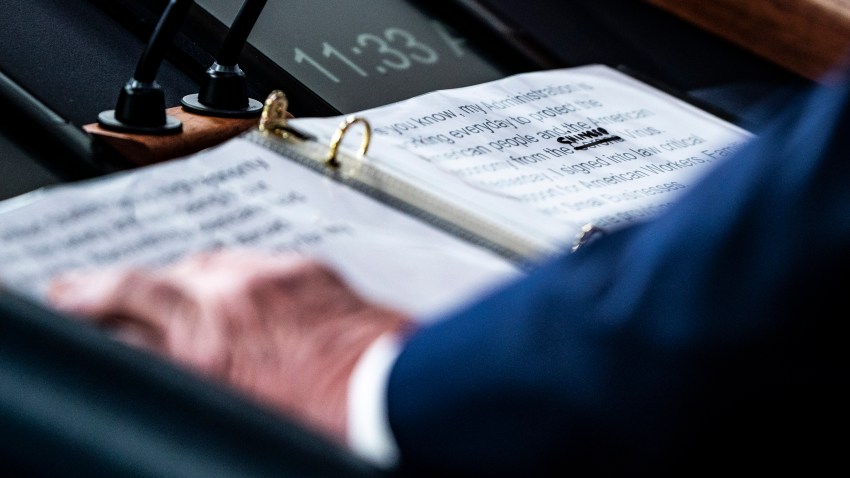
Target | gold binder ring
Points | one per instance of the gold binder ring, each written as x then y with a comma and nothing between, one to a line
274,115
340,132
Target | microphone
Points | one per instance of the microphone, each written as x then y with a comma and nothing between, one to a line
225,90
141,102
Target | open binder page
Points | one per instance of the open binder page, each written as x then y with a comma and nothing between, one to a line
577,146
240,195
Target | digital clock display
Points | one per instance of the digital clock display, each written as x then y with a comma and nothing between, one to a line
357,54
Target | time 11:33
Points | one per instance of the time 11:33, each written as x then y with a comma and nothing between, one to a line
397,49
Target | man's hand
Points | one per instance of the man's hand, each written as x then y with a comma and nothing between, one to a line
284,330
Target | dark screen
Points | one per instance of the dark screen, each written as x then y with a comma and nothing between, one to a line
358,54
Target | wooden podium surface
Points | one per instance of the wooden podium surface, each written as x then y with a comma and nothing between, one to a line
198,132
808,37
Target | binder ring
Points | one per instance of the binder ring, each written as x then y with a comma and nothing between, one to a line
587,233
274,115
331,159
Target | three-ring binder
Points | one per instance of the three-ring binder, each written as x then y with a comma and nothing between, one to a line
273,120
390,185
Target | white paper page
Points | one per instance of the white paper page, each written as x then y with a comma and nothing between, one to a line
579,145
240,195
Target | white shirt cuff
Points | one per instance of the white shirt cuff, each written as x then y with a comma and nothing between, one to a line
369,434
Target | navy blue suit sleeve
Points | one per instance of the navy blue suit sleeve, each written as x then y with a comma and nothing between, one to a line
705,339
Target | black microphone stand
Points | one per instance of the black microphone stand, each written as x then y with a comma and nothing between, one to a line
225,91
141,102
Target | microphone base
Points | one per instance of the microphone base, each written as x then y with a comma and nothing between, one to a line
107,120
193,105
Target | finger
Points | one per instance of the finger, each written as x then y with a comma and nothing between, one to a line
82,293
228,260
228,272
115,297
